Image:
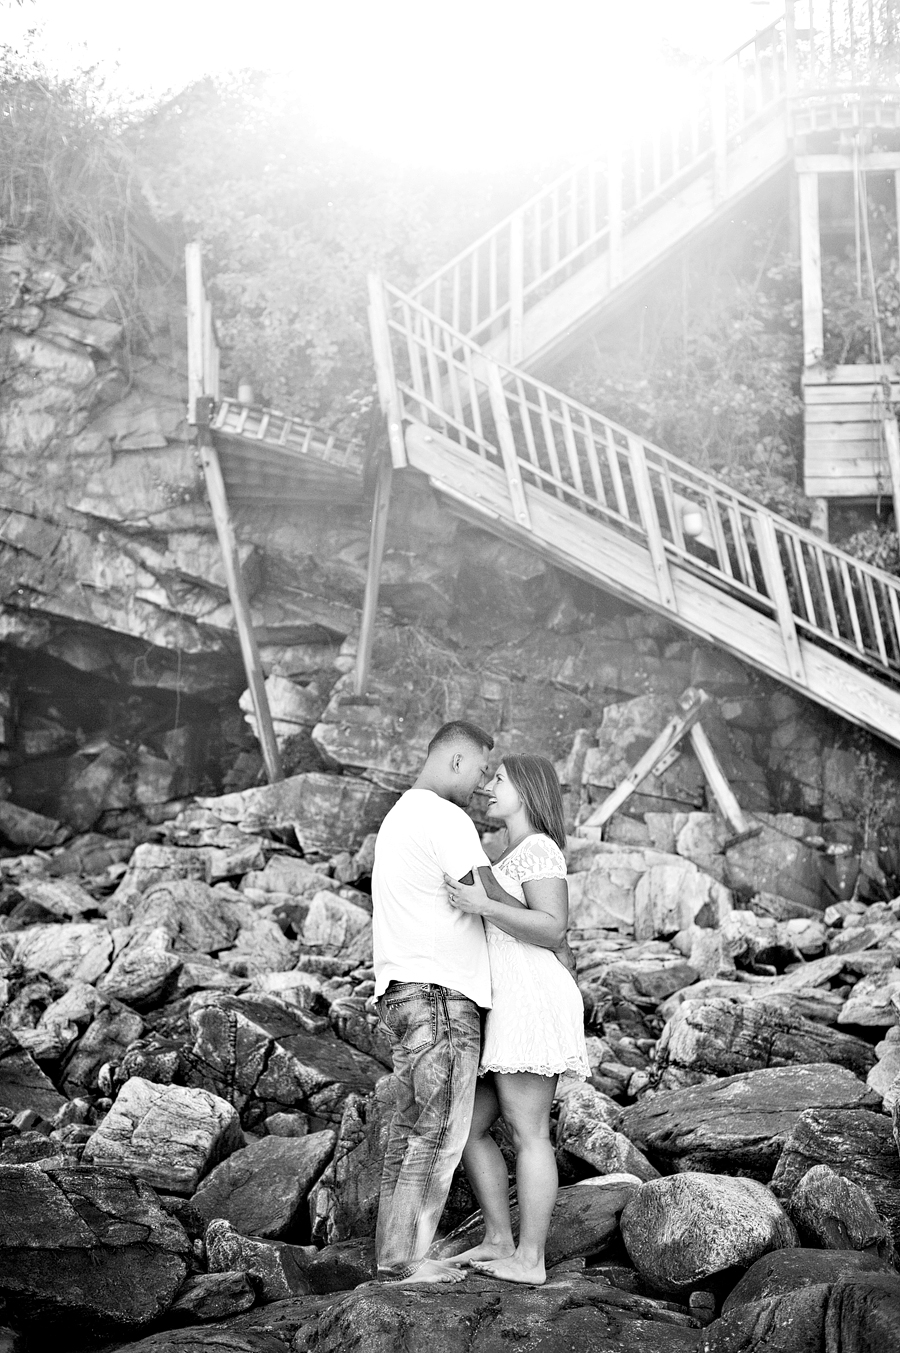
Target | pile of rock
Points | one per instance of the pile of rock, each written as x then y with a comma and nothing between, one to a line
194,1095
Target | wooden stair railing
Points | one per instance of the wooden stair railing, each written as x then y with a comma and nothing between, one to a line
513,451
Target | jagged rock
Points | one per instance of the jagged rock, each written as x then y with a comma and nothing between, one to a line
195,916
214,1296
166,1134
261,1048
261,1189
260,947
23,1084
78,952
740,1122
778,861
832,1213
351,1023
857,1144
86,1243
144,968
669,897
327,812
342,1265
335,926
21,827
660,893
63,897
723,1038
110,1029
275,1269
344,1202
582,1133
681,1230
285,876
806,1301
584,1219
152,865
869,1003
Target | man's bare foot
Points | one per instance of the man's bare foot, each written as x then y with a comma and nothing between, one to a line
433,1271
514,1270
481,1253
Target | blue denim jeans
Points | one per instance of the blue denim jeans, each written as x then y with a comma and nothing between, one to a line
436,1041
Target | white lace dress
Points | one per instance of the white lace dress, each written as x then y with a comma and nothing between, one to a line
536,1022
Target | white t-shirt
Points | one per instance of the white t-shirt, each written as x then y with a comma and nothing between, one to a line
417,935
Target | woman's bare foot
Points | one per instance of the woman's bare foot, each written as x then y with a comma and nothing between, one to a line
481,1253
514,1270
433,1271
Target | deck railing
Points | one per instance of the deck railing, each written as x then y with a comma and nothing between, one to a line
541,440
490,286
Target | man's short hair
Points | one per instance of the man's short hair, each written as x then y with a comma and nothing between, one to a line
460,730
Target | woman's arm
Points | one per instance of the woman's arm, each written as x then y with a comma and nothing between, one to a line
541,920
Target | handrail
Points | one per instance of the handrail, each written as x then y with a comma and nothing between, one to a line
488,287
683,516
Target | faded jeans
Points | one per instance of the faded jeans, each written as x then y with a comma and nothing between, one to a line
436,1042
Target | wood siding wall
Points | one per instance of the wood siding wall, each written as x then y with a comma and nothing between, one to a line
845,456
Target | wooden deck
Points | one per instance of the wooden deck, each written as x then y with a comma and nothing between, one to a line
845,455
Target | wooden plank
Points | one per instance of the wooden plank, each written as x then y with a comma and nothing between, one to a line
811,269
854,373
384,370
378,531
237,592
875,162
776,586
193,271
507,446
650,522
718,782
863,489
692,703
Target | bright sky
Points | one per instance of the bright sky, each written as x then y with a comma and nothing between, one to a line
462,82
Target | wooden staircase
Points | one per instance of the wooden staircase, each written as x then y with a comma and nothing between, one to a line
581,249
509,452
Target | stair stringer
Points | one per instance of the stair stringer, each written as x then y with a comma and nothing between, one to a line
621,565
562,319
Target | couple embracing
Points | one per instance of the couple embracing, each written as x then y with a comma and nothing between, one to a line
472,982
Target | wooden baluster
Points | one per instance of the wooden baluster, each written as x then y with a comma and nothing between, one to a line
875,618
456,306
776,586
811,269
850,602
674,516
507,446
643,490
718,534
719,120
614,208
615,472
473,406
474,299
434,378
526,425
591,447
826,592
554,230
492,299
895,620
741,548
549,437
571,448
803,576
516,288
453,379
790,46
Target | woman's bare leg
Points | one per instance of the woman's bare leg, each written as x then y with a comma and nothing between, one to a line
525,1101
487,1174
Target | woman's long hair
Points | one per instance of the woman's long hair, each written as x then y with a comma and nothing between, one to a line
537,785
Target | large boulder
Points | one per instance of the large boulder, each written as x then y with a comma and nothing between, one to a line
584,1221
723,1038
857,1144
276,1270
328,813
833,1213
261,1189
196,917
809,1301
264,1056
85,1243
79,952
583,1133
777,860
144,969
23,1084
681,1230
338,927
168,1135
344,1202
739,1123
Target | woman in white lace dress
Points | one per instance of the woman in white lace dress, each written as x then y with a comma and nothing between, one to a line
534,1031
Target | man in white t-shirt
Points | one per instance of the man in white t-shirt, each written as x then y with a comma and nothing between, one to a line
432,980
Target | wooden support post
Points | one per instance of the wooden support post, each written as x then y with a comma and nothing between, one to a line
718,112
507,446
692,702
380,506
614,207
516,288
811,269
237,592
643,491
892,446
722,792
195,326
818,518
384,371
790,48
776,586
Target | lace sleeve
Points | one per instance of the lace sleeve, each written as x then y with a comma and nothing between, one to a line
537,858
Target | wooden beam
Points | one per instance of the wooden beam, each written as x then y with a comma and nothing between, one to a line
776,586
692,703
237,592
507,444
741,829
811,269
892,446
384,370
380,505
875,162
193,274
643,491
